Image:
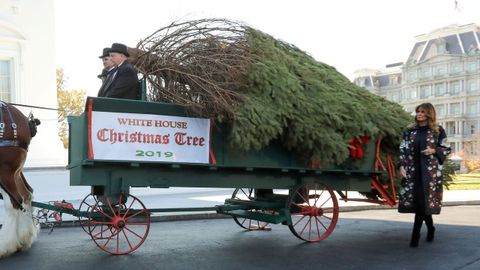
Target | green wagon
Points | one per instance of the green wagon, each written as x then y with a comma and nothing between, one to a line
271,185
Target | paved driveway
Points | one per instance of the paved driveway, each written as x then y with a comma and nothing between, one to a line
375,239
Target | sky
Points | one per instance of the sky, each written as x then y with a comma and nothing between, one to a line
347,34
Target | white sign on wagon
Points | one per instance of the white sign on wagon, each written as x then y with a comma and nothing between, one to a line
147,137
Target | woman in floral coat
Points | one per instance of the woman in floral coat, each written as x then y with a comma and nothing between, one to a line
422,152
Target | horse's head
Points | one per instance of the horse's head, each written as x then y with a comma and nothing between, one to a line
15,136
19,232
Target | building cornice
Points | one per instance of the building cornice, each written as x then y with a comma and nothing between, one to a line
452,29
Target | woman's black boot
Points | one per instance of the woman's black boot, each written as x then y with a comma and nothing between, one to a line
415,239
430,227
430,234
417,225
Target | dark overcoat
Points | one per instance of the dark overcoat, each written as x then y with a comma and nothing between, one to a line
124,83
431,172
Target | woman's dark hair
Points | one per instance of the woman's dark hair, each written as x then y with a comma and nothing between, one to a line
431,116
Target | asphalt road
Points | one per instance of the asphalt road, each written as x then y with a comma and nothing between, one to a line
374,239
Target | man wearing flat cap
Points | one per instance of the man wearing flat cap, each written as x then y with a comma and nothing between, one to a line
107,72
123,83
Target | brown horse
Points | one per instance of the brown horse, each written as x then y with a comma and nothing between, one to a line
19,230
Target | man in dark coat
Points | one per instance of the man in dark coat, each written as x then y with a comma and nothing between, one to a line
107,72
123,83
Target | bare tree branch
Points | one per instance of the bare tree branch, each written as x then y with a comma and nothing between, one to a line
198,64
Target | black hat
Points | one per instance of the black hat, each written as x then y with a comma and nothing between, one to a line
106,52
119,48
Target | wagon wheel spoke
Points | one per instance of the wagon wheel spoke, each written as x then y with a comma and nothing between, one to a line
110,205
319,196
85,206
128,241
325,202
134,215
321,223
100,232
129,207
306,216
301,196
119,203
125,229
330,218
134,233
99,210
248,194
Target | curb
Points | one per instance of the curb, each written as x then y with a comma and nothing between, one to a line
213,215
53,168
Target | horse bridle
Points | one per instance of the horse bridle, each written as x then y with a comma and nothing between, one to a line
4,142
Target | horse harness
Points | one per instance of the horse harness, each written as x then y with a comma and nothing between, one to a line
9,142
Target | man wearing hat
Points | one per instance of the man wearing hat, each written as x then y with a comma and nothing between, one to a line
107,72
123,83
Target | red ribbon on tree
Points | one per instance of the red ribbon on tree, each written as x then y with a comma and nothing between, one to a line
356,146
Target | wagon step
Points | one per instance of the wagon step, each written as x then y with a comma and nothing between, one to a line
260,216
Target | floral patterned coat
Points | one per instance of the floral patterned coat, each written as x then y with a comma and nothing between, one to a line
432,179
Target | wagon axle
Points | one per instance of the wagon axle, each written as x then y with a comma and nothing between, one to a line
118,222
311,211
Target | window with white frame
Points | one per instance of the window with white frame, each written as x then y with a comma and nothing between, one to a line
412,94
472,107
440,71
455,108
426,73
471,127
440,89
412,75
472,67
440,109
450,128
425,91
472,86
392,80
456,68
455,87
5,80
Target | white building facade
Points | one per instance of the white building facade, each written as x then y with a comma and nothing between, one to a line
27,72
443,68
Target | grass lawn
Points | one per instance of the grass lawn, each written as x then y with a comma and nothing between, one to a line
466,181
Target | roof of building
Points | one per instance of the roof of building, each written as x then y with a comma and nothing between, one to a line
450,40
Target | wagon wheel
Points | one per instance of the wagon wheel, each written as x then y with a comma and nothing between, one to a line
248,194
119,227
86,206
313,210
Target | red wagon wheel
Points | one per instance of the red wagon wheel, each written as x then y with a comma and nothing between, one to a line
119,226
248,194
86,206
314,211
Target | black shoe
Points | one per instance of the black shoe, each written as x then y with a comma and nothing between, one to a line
430,234
414,240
